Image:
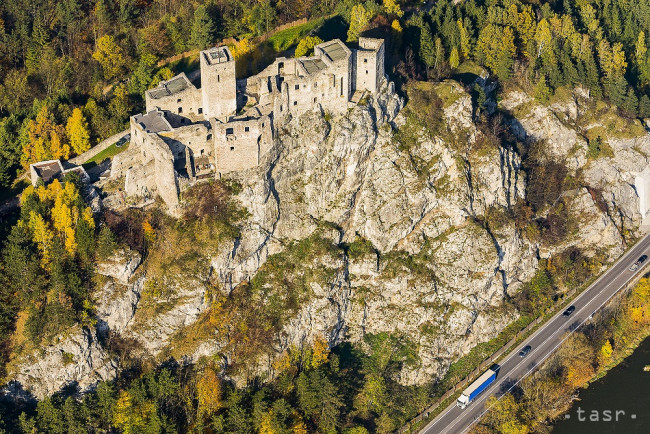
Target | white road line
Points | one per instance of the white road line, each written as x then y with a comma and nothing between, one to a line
641,245
571,331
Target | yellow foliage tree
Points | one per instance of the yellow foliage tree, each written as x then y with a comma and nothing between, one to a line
208,390
465,42
392,7
266,424
306,45
321,352
454,58
110,56
359,20
45,139
77,129
605,355
242,51
43,236
612,59
65,214
134,418
149,231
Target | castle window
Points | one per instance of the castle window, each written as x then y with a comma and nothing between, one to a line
200,110
365,60
280,108
229,131
316,84
366,71
218,79
314,99
178,100
180,110
232,148
262,124
247,129
202,151
208,138
295,103
297,86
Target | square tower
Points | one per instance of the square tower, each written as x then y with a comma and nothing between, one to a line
218,83
369,64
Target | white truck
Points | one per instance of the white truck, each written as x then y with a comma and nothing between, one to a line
478,386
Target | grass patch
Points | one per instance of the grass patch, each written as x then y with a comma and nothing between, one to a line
286,39
109,152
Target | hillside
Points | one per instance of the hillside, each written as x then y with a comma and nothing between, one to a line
369,262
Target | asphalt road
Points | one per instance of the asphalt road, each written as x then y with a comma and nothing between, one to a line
544,341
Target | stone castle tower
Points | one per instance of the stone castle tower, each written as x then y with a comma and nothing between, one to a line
218,83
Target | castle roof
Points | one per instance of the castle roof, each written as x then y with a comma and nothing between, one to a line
335,50
48,170
313,65
153,122
170,87
218,55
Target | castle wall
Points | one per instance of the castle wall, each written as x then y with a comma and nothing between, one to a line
190,142
155,171
183,102
239,144
218,83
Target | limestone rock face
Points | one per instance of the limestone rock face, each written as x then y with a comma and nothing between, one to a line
76,360
440,264
120,266
566,128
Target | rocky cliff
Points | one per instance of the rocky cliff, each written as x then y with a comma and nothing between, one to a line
410,212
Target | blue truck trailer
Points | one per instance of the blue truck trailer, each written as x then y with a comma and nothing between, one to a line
478,386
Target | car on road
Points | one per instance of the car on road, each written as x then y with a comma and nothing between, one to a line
525,350
638,263
569,310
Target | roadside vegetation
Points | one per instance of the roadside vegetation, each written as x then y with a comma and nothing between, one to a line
589,353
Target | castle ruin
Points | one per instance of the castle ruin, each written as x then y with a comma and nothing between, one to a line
226,125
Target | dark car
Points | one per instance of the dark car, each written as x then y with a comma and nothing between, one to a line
638,263
569,310
525,350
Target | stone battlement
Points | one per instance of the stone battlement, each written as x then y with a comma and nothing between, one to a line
226,125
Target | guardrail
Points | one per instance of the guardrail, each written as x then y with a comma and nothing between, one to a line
552,309
476,372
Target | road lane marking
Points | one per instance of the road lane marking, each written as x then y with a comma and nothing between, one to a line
640,248
571,331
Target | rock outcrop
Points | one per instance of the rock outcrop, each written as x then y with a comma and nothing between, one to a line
437,266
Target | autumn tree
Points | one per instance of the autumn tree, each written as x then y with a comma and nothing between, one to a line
359,20
306,45
45,140
454,58
392,8
208,391
77,129
110,56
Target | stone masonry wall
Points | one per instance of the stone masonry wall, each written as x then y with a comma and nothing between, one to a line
184,102
239,144
218,86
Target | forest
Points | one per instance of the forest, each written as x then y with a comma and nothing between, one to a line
73,71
